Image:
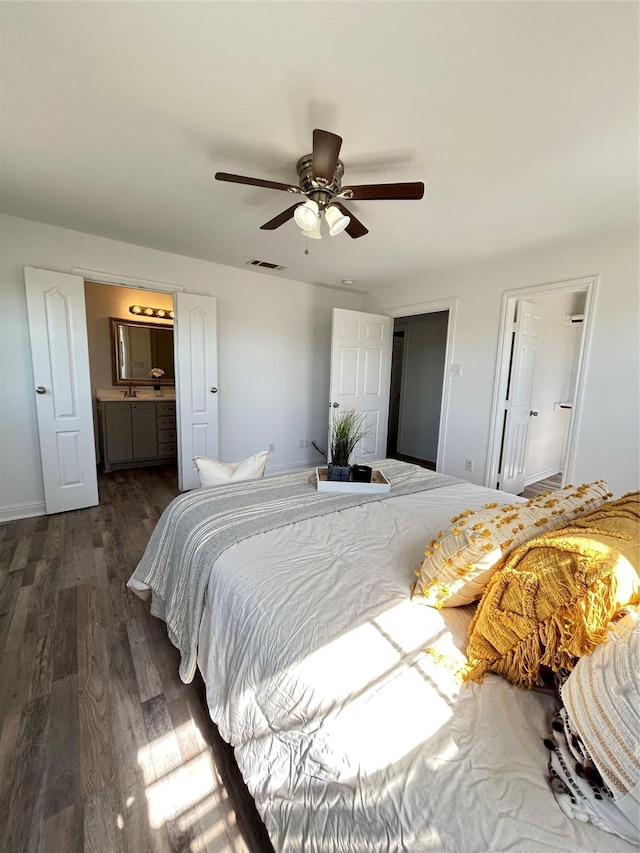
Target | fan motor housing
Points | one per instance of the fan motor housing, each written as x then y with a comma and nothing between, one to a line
315,188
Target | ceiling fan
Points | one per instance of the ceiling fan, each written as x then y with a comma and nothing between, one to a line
320,180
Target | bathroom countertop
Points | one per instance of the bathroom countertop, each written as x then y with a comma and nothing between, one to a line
111,394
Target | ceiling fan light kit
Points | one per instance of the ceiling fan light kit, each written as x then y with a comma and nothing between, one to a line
320,180
307,218
313,233
307,215
336,220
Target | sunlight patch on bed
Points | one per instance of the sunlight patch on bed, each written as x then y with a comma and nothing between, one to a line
377,713
378,647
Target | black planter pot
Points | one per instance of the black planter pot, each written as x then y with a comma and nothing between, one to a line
338,472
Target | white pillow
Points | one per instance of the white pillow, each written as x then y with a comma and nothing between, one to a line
214,473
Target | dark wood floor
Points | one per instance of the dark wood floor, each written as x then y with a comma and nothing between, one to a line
548,484
102,747
423,463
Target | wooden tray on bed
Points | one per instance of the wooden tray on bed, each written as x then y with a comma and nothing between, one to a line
378,485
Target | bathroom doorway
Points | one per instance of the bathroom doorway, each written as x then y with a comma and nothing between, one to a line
60,358
124,443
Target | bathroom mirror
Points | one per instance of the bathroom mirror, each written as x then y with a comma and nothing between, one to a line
138,347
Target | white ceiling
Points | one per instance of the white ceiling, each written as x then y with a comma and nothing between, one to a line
520,118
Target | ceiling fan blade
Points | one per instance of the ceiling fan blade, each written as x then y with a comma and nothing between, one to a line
326,148
383,191
355,228
280,219
256,182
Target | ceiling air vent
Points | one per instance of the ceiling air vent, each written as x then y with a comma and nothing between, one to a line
265,265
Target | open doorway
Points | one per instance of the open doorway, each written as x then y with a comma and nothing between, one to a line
56,304
418,386
537,402
131,432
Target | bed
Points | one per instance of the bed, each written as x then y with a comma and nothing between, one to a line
342,697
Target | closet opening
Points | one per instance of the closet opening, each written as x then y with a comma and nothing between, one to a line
417,388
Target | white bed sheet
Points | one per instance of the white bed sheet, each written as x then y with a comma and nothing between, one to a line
349,736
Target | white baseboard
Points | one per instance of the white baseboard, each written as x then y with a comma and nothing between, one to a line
14,513
542,475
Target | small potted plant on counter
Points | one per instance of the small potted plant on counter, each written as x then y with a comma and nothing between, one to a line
347,428
156,373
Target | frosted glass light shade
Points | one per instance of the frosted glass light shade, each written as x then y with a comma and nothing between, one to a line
336,220
313,233
307,215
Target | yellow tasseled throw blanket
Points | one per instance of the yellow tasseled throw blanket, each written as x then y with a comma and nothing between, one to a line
553,598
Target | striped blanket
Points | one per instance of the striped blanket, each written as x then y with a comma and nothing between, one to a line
199,526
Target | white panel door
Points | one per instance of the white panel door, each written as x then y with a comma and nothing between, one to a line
196,355
361,346
60,355
519,404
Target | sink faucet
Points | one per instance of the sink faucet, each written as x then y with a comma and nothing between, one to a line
132,391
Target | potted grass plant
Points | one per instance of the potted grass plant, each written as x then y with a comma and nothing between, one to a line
346,430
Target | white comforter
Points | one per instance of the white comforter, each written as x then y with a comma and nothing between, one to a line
350,737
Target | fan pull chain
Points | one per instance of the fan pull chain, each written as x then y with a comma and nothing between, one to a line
306,239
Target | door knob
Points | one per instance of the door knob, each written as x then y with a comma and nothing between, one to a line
41,389
335,405
534,414
214,390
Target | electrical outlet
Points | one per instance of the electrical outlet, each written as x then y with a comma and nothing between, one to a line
307,442
271,447
468,464
301,442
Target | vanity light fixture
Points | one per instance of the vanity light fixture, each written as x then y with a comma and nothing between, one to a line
143,311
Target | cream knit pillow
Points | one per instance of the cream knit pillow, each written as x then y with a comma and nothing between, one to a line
459,562
602,699
214,473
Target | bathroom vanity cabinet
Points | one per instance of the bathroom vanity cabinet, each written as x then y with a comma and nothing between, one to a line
136,432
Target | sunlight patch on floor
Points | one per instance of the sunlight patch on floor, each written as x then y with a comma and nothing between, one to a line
180,789
219,832
189,791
